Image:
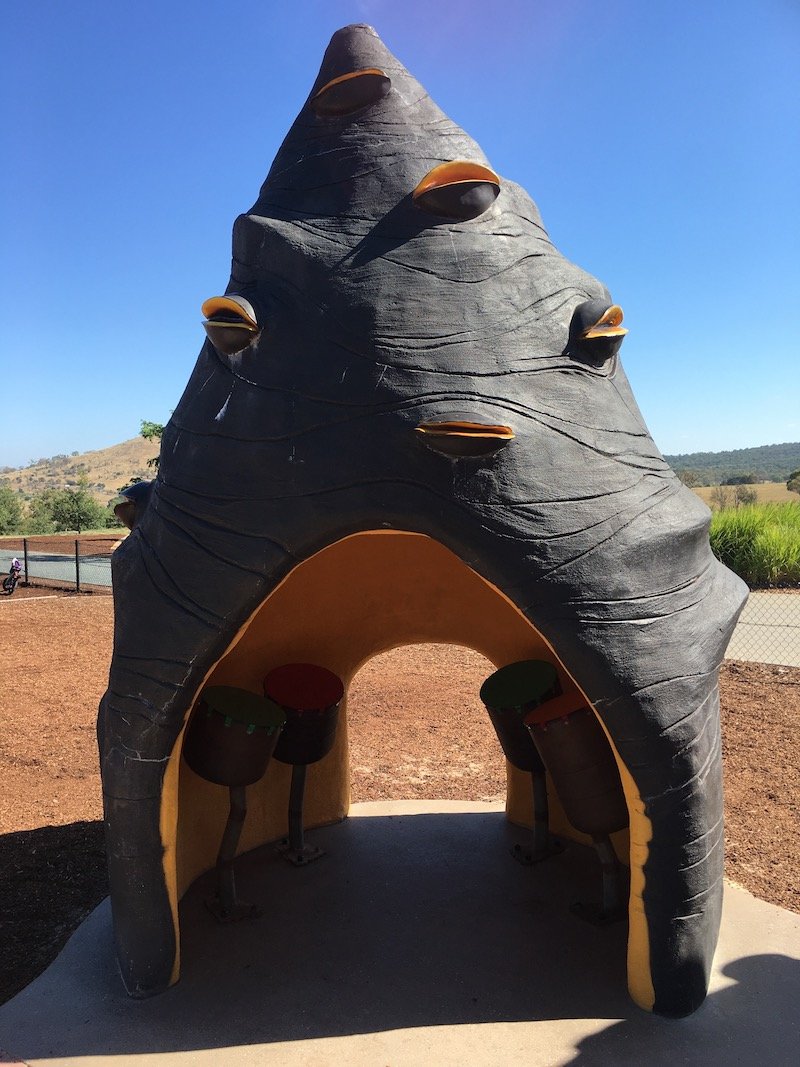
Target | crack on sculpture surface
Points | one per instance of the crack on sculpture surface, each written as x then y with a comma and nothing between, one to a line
296,504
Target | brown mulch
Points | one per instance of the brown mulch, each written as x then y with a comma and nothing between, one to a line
417,731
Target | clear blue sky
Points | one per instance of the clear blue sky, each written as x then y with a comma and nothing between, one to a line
660,139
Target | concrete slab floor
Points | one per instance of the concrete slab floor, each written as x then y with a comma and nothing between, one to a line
416,940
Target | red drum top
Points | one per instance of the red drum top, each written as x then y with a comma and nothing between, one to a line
303,687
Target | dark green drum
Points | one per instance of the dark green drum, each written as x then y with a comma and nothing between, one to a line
231,735
509,695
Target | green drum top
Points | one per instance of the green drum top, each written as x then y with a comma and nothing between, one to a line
520,685
253,711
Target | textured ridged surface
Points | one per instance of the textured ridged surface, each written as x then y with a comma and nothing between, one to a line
376,317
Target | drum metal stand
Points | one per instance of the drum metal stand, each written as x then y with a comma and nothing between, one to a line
229,741
508,695
309,697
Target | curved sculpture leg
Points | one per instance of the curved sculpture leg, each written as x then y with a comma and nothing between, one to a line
676,861
144,929
683,886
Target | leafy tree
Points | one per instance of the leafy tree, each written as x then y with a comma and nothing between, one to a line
152,431
75,509
742,479
10,510
39,517
793,484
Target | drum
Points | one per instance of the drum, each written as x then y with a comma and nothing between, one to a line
578,756
509,695
231,735
309,697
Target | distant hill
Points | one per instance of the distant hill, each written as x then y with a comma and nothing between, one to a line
106,470
769,463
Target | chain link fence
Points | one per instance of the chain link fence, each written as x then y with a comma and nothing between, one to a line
81,563
768,631
769,628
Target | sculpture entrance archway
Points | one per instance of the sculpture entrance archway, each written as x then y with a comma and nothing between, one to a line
361,596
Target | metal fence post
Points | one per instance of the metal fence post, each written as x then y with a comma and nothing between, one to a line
77,566
25,557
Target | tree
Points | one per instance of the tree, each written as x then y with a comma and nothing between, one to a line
75,509
793,484
152,431
39,517
743,495
10,510
721,497
742,479
689,477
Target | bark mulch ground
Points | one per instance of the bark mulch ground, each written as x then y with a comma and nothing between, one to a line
417,730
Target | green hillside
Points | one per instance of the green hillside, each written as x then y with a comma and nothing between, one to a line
769,463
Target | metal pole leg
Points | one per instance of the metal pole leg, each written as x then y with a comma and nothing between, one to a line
613,905
296,797
544,844
612,891
541,815
293,848
225,906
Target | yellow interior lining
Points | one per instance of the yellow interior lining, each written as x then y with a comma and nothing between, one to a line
384,589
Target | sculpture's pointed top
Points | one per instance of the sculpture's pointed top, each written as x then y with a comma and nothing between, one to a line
354,47
367,134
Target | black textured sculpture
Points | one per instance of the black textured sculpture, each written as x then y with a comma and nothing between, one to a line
403,349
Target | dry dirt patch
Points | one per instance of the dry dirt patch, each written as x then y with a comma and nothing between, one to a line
417,731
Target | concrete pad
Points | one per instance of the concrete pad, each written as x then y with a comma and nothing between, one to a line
416,940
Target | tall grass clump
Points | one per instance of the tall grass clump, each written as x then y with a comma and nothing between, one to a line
760,542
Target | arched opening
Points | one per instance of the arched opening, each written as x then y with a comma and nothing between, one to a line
418,730
353,600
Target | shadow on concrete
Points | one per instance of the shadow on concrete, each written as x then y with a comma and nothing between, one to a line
419,921
51,878
752,1021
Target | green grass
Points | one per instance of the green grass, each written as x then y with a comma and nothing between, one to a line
760,542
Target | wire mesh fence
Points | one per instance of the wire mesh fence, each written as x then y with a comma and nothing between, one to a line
768,630
81,563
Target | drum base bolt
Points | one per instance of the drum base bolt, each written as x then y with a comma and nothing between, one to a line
298,857
227,914
530,857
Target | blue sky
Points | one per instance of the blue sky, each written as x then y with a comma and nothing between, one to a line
660,140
